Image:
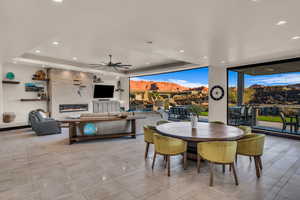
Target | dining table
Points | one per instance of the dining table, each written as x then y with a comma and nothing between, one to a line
203,133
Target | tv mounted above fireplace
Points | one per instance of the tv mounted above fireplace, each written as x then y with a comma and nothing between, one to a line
104,91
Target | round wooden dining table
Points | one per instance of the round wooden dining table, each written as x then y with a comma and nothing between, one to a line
203,133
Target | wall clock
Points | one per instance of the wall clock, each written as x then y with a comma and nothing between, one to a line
217,92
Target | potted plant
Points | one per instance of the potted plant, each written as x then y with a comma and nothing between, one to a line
195,111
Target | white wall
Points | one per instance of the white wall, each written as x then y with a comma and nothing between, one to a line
64,92
1,94
12,93
218,109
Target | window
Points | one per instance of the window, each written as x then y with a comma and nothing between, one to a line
172,90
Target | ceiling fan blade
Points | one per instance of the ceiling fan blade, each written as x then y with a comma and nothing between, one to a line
99,64
118,63
98,67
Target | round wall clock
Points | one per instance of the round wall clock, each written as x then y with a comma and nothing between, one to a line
217,92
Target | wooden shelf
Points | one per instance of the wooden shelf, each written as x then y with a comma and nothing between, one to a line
40,79
10,82
34,99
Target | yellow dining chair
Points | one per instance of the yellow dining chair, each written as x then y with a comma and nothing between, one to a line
161,122
252,146
148,137
247,129
217,153
248,132
167,147
219,122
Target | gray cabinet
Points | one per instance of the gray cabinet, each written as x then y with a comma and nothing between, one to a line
106,106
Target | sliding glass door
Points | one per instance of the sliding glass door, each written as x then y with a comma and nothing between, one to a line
171,93
265,97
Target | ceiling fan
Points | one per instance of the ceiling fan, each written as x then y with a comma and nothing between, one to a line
111,64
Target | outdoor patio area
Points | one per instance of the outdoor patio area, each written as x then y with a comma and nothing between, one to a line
275,127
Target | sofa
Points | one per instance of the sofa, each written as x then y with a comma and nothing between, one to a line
109,127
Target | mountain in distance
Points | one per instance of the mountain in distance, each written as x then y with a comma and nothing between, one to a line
160,86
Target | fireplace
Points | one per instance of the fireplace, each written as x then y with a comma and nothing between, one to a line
63,108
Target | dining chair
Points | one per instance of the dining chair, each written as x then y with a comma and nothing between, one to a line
248,132
285,123
217,153
253,146
219,122
162,122
149,131
246,129
167,147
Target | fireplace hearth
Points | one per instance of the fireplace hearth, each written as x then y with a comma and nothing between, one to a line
63,108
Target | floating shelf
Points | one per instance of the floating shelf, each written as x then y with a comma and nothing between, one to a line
34,99
10,82
40,79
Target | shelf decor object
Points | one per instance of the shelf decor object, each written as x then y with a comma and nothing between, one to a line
119,88
77,81
97,79
9,117
10,76
34,87
40,75
10,82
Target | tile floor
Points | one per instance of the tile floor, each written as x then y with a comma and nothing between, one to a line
42,168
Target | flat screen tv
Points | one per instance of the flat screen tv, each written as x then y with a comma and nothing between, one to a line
104,91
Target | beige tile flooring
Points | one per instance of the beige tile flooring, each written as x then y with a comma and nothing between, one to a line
40,168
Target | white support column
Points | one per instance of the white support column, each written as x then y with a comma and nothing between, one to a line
125,94
1,93
217,109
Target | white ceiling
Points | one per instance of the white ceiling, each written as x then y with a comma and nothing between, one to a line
235,31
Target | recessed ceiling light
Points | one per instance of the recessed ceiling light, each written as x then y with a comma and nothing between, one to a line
255,0
204,57
147,63
223,61
295,37
58,1
37,51
280,23
74,58
15,62
181,51
55,43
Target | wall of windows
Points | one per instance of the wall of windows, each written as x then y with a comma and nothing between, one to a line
265,97
170,90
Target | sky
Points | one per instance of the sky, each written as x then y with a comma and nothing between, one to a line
188,78
199,77
267,80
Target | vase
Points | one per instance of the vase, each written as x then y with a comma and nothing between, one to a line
9,117
194,121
